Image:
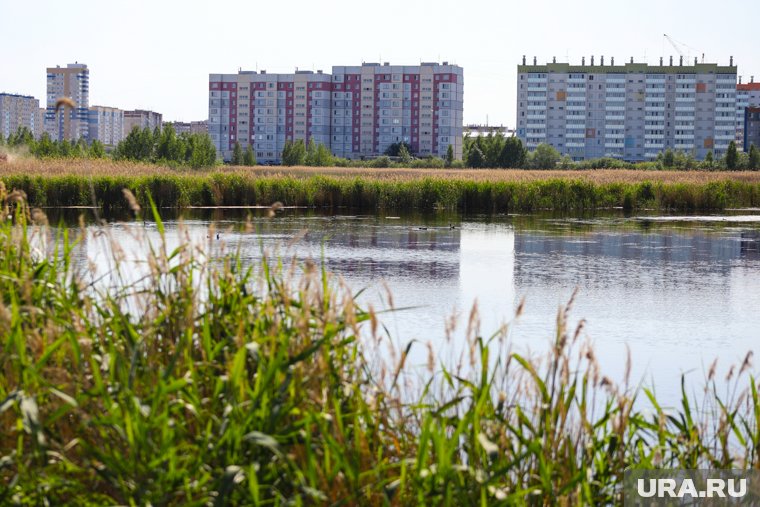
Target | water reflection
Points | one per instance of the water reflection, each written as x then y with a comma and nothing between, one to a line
678,293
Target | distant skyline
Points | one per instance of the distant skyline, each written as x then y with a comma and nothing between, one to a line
157,55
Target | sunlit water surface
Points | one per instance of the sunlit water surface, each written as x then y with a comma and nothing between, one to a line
678,291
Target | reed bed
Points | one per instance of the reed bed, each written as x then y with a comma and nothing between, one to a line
213,383
68,183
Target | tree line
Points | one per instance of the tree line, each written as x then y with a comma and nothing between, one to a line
162,146
45,147
499,151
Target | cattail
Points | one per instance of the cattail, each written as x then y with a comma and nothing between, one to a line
747,362
64,102
520,308
16,196
130,197
39,217
274,208
711,372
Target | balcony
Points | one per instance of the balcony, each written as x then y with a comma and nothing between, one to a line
615,117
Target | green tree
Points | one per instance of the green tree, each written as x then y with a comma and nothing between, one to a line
322,157
311,153
403,154
249,158
170,147
491,147
394,149
545,157
200,151
138,145
668,158
97,150
45,147
709,162
237,155
294,153
449,156
65,149
754,158
512,154
475,158
81,149
22,137
732,157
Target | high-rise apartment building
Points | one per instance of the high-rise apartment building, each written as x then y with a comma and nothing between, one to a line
266,110
106,124
631,112
747,95
141,119
375,106
73,82
19,111
356,111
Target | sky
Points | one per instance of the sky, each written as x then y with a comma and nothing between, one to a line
158,54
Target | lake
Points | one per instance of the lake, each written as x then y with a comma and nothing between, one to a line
678,291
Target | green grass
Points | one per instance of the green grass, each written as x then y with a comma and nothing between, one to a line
236,189
213,383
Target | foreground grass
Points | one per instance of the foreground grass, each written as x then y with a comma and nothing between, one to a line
72,183
207,383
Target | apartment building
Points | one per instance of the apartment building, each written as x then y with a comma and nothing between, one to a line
266,110
141,119
199,127
106,124
747,95
19,111
356,111
751,128
190,127
632,111
180,127
73,82
375,106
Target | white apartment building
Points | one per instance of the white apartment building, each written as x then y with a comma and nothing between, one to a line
632,111
18,111
355,111
106,124
73,82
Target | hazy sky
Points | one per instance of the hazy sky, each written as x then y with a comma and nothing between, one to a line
157,54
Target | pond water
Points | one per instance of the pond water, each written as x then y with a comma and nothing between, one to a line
678,291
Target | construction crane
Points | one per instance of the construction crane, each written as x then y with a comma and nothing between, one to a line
675,44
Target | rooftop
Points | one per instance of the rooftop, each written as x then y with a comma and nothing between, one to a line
630,67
